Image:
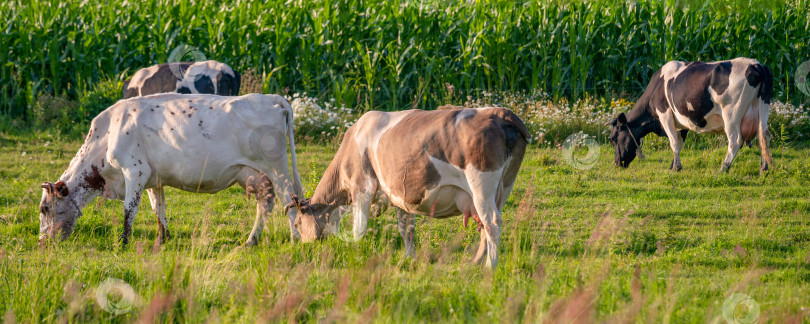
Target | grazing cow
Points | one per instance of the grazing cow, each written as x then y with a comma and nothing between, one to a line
209,77
198,143
439,163
731,97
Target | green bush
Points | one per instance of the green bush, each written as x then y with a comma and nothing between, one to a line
53,111
102,95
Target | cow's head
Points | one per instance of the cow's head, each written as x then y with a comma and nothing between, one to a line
311,219
58,211
623,138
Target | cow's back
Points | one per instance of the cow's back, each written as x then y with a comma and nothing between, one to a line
481,138
403,147
180,135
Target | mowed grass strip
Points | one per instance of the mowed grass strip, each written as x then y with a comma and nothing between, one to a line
606,244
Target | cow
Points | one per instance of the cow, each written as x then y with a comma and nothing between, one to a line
731,97
438,163
196,143
209,77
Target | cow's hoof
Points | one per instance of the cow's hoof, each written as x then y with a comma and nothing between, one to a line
763,167
161,239
675,167
251,242
491,265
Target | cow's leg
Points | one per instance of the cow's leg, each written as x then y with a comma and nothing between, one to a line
675,139
361,208
484,187
482,250
407,227
158,200
734,144
283,184
333,227
135,179
258,185
732,118
764,136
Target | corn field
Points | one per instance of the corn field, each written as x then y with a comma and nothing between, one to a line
395,54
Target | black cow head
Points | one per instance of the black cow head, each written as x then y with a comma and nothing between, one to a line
625,140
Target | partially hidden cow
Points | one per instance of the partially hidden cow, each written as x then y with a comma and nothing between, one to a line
730,97
207,77
437,163
196,143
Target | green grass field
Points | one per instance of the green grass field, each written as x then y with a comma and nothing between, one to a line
637,245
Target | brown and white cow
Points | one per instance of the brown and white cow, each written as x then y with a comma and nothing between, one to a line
208,77
438,163
197,143
731,97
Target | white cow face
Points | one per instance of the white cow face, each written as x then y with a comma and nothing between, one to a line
57,211
311,219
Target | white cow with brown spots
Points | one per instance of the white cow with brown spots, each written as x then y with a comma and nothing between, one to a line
198,143
438,163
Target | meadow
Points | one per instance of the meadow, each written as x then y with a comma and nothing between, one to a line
600,244
638,245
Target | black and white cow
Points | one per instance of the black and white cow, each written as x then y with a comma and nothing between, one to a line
208,77
731,97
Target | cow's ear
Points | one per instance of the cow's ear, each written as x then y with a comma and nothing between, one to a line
294,202
622,119
288,206
61,189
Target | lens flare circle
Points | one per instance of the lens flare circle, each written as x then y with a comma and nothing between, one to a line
114,285
740,309
801,78
577,141
185,53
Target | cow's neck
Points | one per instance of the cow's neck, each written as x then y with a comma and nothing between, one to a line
83,175
329,193
642,121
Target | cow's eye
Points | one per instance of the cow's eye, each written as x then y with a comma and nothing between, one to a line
44,209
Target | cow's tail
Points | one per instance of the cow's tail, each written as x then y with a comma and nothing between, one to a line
516,122
124,89
236,83
514,129
763,101
766,90
299,188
